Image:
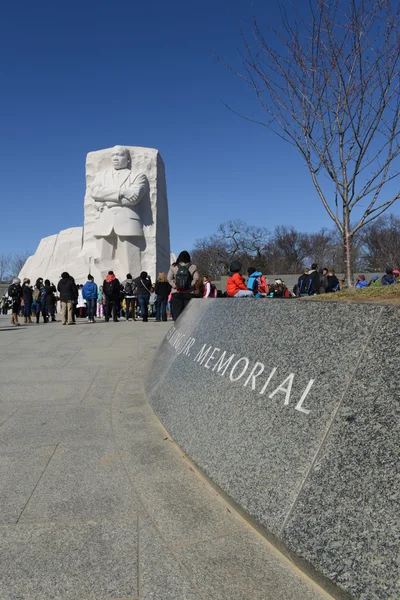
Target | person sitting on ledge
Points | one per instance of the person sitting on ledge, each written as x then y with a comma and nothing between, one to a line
375,281
361,282
235,285
389,278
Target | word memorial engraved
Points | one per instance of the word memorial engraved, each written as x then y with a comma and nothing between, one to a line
241,368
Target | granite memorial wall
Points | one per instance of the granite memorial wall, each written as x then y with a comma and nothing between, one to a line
292,409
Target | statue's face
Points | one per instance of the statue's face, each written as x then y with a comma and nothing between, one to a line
119,157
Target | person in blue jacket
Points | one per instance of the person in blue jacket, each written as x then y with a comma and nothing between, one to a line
361,282
89,292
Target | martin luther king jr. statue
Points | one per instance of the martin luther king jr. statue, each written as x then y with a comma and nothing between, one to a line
117,193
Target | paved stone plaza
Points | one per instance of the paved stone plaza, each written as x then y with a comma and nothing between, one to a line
96,501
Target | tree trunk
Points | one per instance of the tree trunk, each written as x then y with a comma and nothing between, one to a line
348,256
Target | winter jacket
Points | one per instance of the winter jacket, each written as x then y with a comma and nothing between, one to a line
234,284
89,290
323,283
333,284
143,285
315,283
173,271
27,293
376,283
162,289
252,283
362,284
389,279
111,287
68,290
50,299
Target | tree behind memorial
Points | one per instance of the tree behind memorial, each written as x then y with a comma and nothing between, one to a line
329,83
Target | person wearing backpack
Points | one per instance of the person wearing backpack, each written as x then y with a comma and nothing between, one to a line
143,286
182,276
257,283
111,289
303,283
15,293
129,288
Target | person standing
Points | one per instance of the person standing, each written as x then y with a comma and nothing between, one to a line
27,294
129,287
81,305
50,300
111,289
100,303
162,290
15,293
67,290
89,293
182,277
143,286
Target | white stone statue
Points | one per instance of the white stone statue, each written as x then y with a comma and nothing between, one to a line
126,225
117,192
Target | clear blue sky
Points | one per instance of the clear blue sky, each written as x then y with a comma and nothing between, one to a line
81,76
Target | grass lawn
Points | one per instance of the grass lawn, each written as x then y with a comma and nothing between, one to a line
388,294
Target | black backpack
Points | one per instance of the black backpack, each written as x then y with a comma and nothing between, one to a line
183,278
13,291
305,283
129,288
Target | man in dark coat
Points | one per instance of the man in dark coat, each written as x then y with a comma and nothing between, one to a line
111,290
68,293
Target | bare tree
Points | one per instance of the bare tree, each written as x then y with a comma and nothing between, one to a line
287,250
17,261
330,87
5,261
381,243
234,240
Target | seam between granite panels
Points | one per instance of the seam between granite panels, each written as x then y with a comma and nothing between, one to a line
73,520
250,524
37,483
9,417
139,558
330,425
90,385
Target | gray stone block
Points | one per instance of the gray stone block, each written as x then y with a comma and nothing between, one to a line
95,560
20,472
161,575
239,566
258,394
44,426
350,529
85,482
182,507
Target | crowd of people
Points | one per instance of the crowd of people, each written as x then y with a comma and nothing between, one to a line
138,297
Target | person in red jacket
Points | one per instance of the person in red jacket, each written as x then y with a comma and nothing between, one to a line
235,286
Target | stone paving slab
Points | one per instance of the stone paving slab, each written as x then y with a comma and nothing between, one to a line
96,502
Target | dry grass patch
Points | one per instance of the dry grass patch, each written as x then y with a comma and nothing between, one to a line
389,294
